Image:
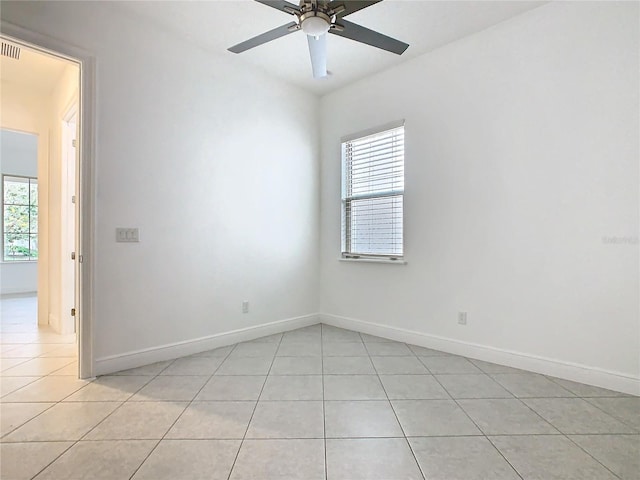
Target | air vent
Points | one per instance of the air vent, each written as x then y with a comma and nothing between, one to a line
10,51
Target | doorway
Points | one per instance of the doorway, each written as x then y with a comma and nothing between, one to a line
41,98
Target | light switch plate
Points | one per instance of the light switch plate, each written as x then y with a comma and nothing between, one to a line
127,235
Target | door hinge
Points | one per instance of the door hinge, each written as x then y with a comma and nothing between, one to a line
73,143
73,199
73,312
80,258
73,255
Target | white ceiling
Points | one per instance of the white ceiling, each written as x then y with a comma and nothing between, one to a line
424,25
35,70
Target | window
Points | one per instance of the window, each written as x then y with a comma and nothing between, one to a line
20,218
373,194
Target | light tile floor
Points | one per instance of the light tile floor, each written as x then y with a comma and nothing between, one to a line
315,403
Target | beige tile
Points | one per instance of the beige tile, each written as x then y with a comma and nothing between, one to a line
344,349
371,459
99,460
348,365
284,419
138,420
243,387
303,349
582,390
193,366
71,370
152,369
576,416
549,458
619,453
46,389
353,387
245,366
530,385
350,419
38,366
109,389
70,350
426,352
167,388
22,461
388,349
292,387
9,363
11,384
398,365
190,460
33,350
449,365
213,420
472,386
625,409
424,418
280,460
64,421
13,415
413,387
296,366
254,349
333,334
506,417
468,458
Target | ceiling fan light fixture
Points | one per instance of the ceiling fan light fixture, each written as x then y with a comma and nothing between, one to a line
315,24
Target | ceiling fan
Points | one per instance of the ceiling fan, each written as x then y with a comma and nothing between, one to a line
316,18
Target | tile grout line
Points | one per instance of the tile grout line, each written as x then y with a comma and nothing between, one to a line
413,454
74,443
172,401
255,407
469,417
46,410
54,403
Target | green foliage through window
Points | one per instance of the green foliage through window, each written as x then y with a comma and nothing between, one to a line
20,218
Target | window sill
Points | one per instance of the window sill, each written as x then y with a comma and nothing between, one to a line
372,260
20,262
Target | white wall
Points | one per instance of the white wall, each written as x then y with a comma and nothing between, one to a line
521,155
216,164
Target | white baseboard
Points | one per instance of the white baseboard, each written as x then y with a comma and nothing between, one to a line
617,381
18,292
54,322
138,358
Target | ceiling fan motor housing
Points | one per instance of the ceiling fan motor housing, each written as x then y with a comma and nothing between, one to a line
315,23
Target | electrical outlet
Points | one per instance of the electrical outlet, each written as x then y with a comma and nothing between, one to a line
245,306
462,318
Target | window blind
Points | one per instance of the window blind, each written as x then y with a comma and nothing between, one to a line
373,194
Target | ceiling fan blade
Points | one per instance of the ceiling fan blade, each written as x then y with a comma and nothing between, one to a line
264,38
318,52
352,6
278,4
364,35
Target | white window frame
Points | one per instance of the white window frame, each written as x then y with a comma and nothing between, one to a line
347,252
29,233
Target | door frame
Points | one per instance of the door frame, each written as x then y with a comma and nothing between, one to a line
86,174
69,211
